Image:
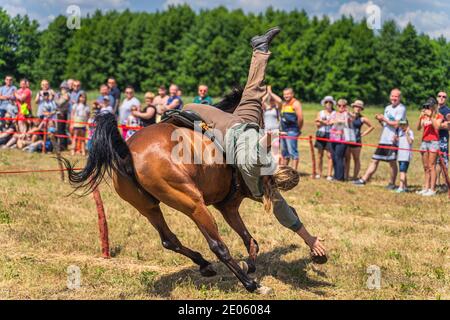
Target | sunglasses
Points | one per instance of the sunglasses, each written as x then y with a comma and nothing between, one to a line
441,96
128,92
342,105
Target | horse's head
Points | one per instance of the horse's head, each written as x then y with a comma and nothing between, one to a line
230,101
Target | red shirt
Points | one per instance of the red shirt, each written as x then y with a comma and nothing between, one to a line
429,132
27,100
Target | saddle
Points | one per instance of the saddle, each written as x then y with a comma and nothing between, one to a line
191,120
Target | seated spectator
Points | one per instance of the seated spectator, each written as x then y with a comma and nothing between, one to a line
323,125
133,123
7,98
203,97
38,146
430,121
404,139
354,151
7,130
80,116
125,108
148,113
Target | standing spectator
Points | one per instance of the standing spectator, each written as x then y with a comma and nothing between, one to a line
430,120
80,116
405,139
291,126
148,113
340,120
114,91
443,132
47,108
70,85
23,102
203,97
323,131
45,90
75,94
354,151
105,101
272,104
133,123
393,113
125,109
174,101
62,100
160,101
7,98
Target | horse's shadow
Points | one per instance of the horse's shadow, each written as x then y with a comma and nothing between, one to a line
292,273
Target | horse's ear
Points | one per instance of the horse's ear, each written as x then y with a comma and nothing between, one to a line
231,100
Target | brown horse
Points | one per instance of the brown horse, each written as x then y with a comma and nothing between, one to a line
144,174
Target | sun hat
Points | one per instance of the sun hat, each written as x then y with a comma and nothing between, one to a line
358,103
328,99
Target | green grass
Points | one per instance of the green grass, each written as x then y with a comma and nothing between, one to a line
43,231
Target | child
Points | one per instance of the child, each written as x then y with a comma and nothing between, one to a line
404,139
132,123
80,115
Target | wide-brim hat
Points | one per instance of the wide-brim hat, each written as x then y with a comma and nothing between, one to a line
328,99
358,103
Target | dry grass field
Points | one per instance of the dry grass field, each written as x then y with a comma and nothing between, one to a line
43,231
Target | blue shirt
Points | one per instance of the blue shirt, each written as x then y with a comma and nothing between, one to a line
9,92
111,100
172,99
444,110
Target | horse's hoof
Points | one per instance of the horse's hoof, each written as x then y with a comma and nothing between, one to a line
251,268
244,266
208,271
263,290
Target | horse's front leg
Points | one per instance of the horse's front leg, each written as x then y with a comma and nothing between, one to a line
230,212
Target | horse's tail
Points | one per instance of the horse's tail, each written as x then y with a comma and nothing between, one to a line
108,152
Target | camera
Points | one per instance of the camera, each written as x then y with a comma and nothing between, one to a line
45,93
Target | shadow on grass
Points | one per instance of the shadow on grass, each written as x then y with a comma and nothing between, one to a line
292,273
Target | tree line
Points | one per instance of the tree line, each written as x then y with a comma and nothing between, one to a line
313,55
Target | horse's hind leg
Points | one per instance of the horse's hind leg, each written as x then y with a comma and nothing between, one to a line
171,242
231,215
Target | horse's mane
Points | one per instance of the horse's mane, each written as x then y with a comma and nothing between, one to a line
231,100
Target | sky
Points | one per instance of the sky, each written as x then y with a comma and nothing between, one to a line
429,16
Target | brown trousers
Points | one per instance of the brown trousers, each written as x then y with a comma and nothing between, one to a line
250,106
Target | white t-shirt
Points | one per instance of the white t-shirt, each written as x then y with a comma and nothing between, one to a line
125,109
404,155
392,114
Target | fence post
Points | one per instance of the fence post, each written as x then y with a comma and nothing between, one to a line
313,156
102,224
45,135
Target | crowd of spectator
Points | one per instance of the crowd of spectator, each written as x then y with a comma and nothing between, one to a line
64,119
341,127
